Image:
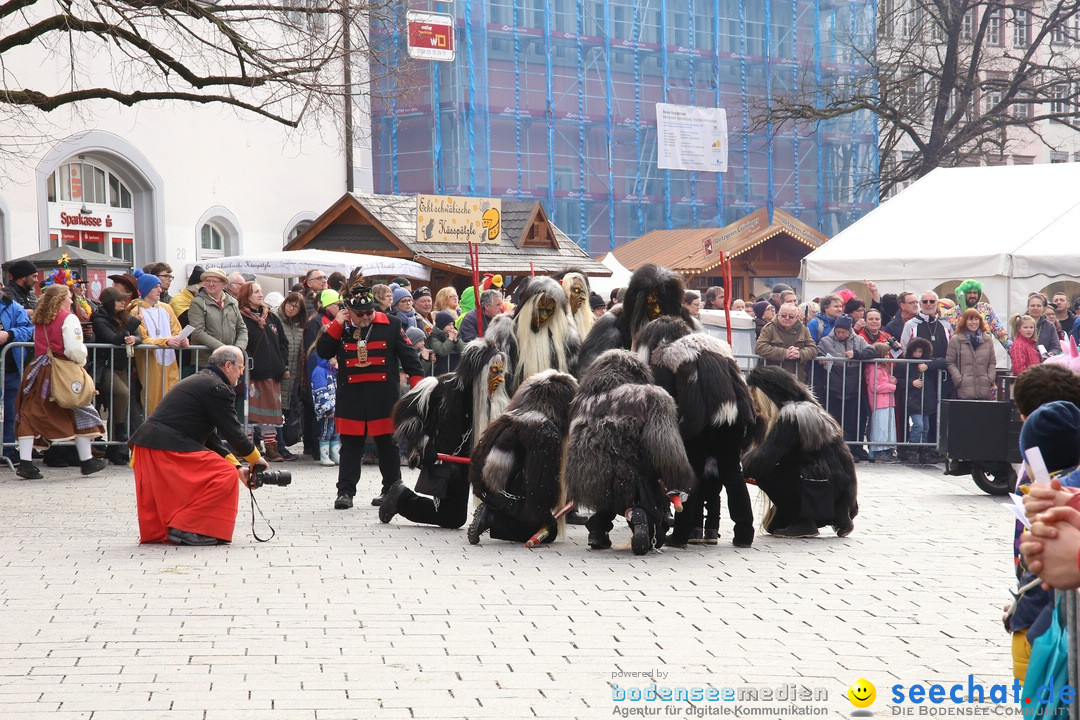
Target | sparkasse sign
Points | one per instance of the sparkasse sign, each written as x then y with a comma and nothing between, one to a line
431,36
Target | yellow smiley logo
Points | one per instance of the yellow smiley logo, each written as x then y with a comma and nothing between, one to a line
862,693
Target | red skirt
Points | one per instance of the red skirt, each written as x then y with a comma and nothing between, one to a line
195,492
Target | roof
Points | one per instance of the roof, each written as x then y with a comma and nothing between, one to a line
688,251
48,258
387,225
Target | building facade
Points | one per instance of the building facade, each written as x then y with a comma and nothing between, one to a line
555,100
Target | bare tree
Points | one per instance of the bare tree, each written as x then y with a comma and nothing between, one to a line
953,82
281,60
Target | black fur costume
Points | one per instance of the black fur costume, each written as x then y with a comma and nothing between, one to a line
716,418
554,346
445,415
624,450
802,462
616,329
517,465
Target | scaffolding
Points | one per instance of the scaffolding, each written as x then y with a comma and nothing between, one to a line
555,100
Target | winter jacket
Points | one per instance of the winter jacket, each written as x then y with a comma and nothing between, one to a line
14,320
323,387
844,375
1023,354
1046,335
774,341
447,351
107,331
267,348
216,326
880,388
820,326
972,365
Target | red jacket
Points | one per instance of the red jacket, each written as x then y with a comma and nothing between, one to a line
1024,354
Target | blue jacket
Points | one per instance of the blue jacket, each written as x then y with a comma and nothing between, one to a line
14,319
820,326
323,387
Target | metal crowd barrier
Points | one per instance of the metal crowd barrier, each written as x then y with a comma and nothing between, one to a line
100,363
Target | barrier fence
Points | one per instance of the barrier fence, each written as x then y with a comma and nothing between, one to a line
121,395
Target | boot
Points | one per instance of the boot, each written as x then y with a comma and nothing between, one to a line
335,452
272,454
324,453
641,541
481,523
27,470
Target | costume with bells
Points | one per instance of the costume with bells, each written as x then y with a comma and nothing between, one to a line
446,415
625,454
368,357
517,465
801,463
717,421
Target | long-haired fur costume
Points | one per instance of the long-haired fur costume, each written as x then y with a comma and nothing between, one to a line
617,328
583,317
801,441
555,346
521,452
624,447
440,411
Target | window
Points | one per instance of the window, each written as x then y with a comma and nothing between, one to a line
967,26
212,241
298,230
991,98
1060,34
1059,94
1058,157
83,181
993,28
1021,28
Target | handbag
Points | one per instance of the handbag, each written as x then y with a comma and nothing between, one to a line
70,386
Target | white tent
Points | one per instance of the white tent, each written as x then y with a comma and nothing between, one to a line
620,277
1013,228
296,263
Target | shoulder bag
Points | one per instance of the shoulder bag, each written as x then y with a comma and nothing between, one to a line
71,386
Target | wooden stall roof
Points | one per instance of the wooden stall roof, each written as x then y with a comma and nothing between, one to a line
386,225
685,251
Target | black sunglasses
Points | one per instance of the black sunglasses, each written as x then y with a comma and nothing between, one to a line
362,313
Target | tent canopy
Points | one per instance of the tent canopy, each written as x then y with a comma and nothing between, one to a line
296,263
992,224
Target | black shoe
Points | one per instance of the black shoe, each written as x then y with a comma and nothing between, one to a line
930,457
180,537
388,509
28,471
641,541
676,540
343,502
712,537
743,538
575,518
844,530
286,455
599,540
378,499
93,465
118,455
481,523
697,537
798,530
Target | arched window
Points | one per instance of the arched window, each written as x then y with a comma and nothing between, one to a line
217,234
84,181
91,207
298,230
211,241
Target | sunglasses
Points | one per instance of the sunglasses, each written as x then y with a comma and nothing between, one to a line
928,302
363,313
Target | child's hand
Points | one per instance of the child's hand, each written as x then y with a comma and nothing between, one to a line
923,367
893,380
917,384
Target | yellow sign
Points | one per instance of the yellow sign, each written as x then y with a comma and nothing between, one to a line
442,218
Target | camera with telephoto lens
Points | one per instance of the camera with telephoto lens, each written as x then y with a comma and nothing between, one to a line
261,476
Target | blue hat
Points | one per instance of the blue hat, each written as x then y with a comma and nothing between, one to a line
147,282
1054,428
845,322
444,318
399,295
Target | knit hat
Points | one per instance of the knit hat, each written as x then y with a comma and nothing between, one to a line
399,295
329,297
21,268
844,322
595,301
147,282
415,335
779,288
444,318
760,307
215,273
1054,428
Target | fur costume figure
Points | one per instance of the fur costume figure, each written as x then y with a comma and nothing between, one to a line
802,463
539,335
516,467
625,454
653,291
576,285
446,415
717,421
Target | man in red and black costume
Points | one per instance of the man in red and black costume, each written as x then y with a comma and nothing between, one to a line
185,477
369,347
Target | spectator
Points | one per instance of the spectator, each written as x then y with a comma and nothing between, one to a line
889,307
778,290
597,305
215,314
182,300
57,330
23,275
315,281
922,397
491,301
856,308
714,298
969,295
907,308
422,305
1045,333
929,327
329,303
738,305
692,302
1066,318
872,332
185,478
324,398
786,342
613,297
1024,352
881,396
336,281
83,306
128,284
402,282
114,326
291,315
15,326
269,352
235,281
447,299
832,307
384,298
419,342
839,386
445,343
402,307
970,358
763,315
158,369
163,271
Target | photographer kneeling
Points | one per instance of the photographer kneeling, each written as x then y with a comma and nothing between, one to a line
185,477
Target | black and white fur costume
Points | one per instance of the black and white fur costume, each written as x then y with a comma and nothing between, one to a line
446,415
555,346
716,418
617,328
583,317
624,450
801,462
516,467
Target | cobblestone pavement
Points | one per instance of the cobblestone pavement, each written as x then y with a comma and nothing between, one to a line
341,617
